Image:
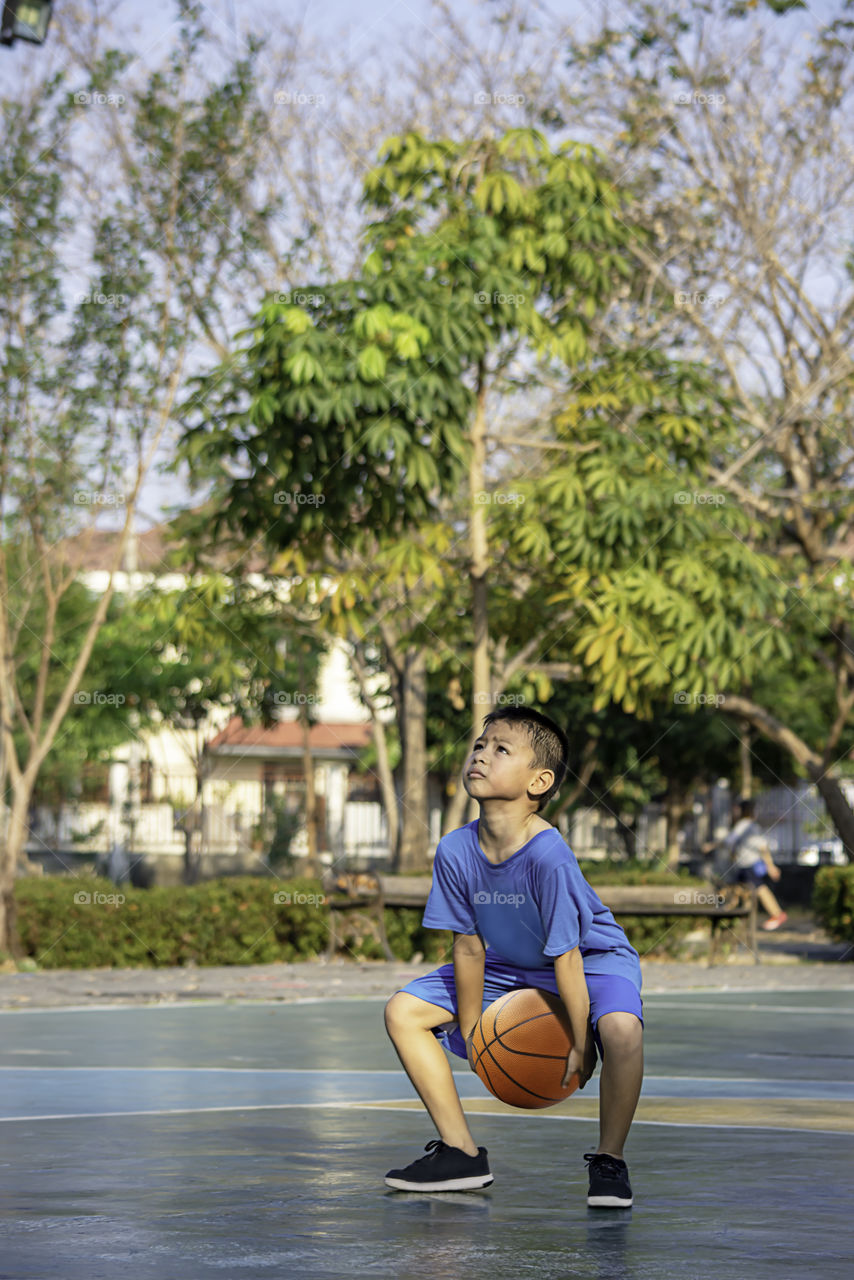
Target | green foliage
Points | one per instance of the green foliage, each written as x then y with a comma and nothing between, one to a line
661,936
407,937
833,901
235,920
475,245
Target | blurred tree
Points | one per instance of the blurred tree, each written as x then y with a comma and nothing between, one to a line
744,168
88,389
360,409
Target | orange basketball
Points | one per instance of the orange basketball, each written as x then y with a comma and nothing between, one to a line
520,1046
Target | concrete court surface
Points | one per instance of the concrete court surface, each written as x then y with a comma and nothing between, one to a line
250,1140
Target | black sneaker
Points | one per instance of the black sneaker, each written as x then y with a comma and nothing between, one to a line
443,1169
609,1182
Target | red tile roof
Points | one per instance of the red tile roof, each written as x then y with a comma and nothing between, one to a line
287,734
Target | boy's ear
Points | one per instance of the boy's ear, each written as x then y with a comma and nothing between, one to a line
544,779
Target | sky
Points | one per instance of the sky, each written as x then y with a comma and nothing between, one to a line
352,30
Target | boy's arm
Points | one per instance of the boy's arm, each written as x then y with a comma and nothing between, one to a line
468,977
569,974
768,859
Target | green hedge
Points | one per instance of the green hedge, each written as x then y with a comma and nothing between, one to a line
649,935
69,922
235,920
833,901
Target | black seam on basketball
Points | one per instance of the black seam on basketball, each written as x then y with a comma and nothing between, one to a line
497,1035
543,1096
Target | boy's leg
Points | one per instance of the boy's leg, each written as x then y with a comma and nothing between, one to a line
768,900
409,1021
620,1079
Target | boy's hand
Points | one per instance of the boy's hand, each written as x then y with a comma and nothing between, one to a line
581,1060
469,1053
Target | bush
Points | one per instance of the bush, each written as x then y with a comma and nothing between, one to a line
649,935
407,936
66,922
833,901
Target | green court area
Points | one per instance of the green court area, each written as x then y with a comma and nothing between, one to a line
252,1140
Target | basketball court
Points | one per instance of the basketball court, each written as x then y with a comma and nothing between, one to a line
251,1140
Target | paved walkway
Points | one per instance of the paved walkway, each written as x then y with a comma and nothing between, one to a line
798,957
342,979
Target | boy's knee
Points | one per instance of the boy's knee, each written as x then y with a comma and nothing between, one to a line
395,1010
403,1010
620,1033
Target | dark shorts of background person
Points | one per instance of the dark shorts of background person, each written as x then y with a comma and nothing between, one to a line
754,875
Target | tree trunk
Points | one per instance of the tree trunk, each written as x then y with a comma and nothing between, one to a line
312,867
415,826
13,851
193,834
745,760
675,808
628,833
479,563
455,813
841,814
384,770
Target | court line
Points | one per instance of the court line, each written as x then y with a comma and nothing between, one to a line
369,1071
670,997
755,1008
180,1111
668,1124
408,1110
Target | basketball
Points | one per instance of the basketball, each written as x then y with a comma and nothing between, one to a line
520,1046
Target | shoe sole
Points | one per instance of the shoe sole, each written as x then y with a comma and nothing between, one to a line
609,1202
450,1184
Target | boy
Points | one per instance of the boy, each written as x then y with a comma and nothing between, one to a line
546,928
751,862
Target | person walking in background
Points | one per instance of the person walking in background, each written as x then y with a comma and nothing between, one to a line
750,862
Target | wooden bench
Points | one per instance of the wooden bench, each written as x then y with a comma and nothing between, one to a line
356,894
369,894
671,902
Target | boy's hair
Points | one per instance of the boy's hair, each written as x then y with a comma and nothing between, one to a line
549,742
746,806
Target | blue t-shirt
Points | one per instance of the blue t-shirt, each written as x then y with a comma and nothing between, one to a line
528,909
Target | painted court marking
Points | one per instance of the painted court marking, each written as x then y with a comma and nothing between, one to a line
31,1090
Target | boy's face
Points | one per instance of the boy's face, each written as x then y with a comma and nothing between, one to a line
500,768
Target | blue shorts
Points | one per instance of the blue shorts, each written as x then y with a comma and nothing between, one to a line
609,993
754,874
